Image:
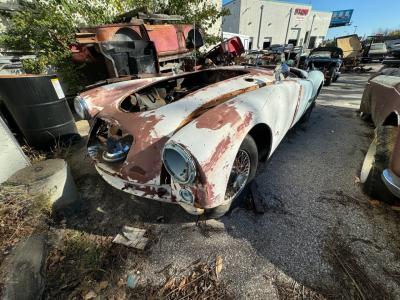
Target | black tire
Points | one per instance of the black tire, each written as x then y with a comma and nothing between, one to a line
376,160
250,147
366,117
328,80
304,118
335,78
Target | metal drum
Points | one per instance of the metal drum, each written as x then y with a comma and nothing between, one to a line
39,108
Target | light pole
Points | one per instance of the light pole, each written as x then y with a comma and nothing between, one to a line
288,25
355,28
309,35
259,26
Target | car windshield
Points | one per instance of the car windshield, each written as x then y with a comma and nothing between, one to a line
321,54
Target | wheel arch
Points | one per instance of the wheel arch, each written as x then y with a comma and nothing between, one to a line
393,119
262,136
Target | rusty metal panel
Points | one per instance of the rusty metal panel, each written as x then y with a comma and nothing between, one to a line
381,98
167,39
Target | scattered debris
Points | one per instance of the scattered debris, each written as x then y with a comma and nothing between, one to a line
132,237
90,295
218,265
288,289
132,281
356,282
103,285
199,280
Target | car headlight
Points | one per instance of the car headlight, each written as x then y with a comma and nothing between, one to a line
81,108
179,163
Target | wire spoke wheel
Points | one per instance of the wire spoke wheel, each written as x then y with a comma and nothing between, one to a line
239,174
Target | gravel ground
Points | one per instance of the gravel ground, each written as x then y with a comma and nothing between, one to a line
320,235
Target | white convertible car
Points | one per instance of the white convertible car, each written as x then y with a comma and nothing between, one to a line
194,139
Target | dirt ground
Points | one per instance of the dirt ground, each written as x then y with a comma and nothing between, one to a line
320,236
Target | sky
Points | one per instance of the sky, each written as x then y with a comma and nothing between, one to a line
368,15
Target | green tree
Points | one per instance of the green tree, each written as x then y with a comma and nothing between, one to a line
47,27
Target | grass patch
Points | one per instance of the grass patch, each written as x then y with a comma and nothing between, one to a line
21,214
80,262
60,149
33,154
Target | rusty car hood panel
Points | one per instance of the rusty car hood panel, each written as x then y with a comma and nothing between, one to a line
152,129
109,94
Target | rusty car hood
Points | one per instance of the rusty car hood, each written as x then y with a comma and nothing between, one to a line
104,95
152,129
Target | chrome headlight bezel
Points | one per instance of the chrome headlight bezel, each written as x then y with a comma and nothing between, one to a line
81,108
186,157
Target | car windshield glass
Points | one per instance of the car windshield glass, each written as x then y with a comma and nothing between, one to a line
321,54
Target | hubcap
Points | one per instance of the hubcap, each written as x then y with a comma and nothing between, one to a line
239,175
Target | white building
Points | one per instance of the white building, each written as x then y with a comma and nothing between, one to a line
270,22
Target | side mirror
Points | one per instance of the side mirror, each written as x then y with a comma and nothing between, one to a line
281,71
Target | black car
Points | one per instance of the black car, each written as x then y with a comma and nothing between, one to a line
394,48
328,60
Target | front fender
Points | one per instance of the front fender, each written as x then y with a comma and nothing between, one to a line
214,139
317,79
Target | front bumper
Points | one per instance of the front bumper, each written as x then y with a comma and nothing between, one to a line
392,182
163,193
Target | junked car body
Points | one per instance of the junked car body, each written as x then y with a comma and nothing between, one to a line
352,51
194,139
141,46
393,48
380,173
328,60
377,51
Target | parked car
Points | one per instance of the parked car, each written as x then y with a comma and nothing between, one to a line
194,139
377,51
393,48
380,173
328,60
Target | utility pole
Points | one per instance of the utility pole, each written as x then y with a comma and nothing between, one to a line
259,26
355,28
309,35
288,25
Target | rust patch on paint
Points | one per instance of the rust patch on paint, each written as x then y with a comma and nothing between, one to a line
226,115
218,152
218,101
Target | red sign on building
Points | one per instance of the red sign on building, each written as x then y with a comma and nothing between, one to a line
301,11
